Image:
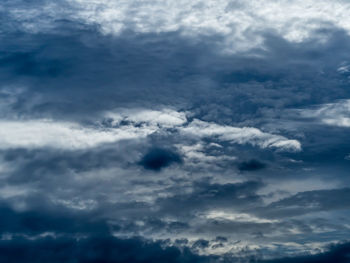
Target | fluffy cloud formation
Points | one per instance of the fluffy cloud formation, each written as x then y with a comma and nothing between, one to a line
156,118
127,125
237,20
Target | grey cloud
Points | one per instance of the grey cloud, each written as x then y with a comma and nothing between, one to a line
158,76
205,196
308,202
78,51
337,253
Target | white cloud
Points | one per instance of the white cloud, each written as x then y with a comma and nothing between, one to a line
236,217
64,135
289,187
293,19
245,135
197,154
344,68
139,124
10,191
334,114
77,204
166,118
237,20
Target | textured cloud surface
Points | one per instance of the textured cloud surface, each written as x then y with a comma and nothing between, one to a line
174,131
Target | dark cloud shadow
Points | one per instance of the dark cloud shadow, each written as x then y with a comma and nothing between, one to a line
251,165
157,158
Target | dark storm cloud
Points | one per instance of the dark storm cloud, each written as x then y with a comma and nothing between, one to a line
110,249
95,249
251,165
45,218
156,159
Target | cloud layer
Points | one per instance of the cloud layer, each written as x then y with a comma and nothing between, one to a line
162,131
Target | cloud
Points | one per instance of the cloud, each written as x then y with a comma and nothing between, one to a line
156,159
99,248
38,221
337,253
205,196
238,21
308,202
166,118
245,135
47,133
173,71
104,248
251,165
236,217
94,93
130,124
333,114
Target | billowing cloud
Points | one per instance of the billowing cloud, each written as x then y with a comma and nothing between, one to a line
237,20
163,131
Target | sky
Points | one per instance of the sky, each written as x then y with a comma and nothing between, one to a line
200,131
